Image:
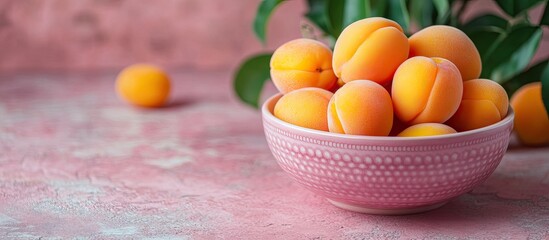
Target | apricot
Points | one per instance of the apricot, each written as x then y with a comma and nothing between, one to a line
484,103
361,107
339,83
449,43
426,129
143,85
426,90
302,63
305,107
531,118
372,49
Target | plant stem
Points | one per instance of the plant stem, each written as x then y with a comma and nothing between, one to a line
308,31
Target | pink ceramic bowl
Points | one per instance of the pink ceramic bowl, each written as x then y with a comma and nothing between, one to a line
386,175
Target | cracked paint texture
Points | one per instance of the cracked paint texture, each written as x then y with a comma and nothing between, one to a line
75,162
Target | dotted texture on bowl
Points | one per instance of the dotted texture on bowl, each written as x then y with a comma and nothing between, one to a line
385,175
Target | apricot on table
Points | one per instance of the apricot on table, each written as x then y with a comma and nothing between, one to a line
361,107
531,118
305,107
372,49
449,43
484,102
426,129
143,85
302,63
426,90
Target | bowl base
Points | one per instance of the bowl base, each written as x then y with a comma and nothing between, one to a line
378,211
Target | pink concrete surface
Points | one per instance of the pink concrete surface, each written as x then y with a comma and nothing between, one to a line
75,162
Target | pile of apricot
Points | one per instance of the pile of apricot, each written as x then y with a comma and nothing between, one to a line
378,82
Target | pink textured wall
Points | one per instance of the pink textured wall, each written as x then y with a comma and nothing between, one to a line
106,34
91,35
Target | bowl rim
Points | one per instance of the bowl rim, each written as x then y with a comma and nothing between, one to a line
269,116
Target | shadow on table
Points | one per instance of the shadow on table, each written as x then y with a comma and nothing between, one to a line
515,145
499,202
179,103
469,216
504,196
468,210
509,194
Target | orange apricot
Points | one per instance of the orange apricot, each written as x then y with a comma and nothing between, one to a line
531,118
372,49
426,129
484,102
361,107
426,90
305,107
449,43
302,63
143,85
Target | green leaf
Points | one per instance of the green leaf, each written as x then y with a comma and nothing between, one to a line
250,78
519,24
332,16
421,12
266,7
399,13
443,8
318,14
545,18
341,13
488,20
335,15
355,10
484,38
485,31
545,88
378,8
456,13
533,74
511,53
515,7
